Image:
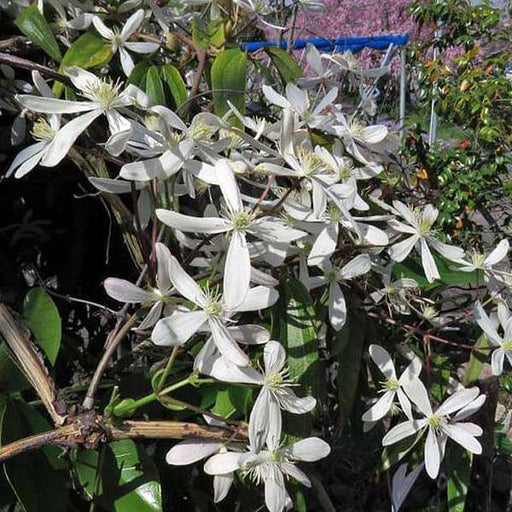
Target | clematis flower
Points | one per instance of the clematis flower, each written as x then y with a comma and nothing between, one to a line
418,225
43,131
105,97
322,75
272,466
392,387
238,222
213,314
119,40
124,291
333,276
193,450
485,263
503,343
440,424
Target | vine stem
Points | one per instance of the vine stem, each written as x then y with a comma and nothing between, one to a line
19,62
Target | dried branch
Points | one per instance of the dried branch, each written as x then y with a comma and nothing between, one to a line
30,361
18,62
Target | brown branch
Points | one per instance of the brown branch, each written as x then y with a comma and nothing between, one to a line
77,434
30,362
19,62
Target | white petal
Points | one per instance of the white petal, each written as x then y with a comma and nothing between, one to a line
470,408
381,408
337,306
416,391
250,334
223,369
103,30
185,285
383,360
275,98
26,155
227,182
54,105
66,137
211,225
486,325
358,266
450,252
398,252
237,271
460,435
276,497
290,402
293,471
401,431
190,451
308,450
427,260
273,229
178,328
325,244
265,421
163,258
142,47
152,317
124,291
457,401
222,463
226,344
497,360
432,454
498,254
221,486
257,298
374,134
162,167
126,61
132,24
274,357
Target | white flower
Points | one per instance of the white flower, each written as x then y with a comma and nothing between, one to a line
119,40
392,387
322,74
124,291
105,97
503,343
213,314
193,450
485,263
43,131
237,221
443,423
358,266
419,226
272,466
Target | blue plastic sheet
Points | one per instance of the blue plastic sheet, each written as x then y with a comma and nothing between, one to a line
340,44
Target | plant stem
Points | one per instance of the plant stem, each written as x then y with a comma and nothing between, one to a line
168,367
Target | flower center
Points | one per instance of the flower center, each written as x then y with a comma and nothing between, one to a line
334,212
435,422
213,308
242,220
357,128
105,92
42,130
392,384
424,225
477,259
507,345
310,162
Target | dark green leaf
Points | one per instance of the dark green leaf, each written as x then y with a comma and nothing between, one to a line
229,74
121,477
476,361
41,316
11,377
233,402
138,75
458,464
171,76
154,87
208,32
294,327
285,64
37,478
32,23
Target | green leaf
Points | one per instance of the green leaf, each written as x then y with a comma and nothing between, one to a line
229,74
393,454
171,76
86,52
285,64
11,377
121,478
233,402
294,327
138,75
458,464
32,23
208,32
349,346
41,316
37,477
476,361
154,87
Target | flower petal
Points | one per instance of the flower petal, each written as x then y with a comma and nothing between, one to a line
190,451
185,285
178,328
211,225
382,359
380,408
222,463
460,435
432,454
257,298
337,306
226,344
237,271
310,449
124,291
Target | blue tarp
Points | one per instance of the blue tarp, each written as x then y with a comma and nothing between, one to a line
354,44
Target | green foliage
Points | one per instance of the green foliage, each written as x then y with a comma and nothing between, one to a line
32,23
458,463
120,477
229,78
285,64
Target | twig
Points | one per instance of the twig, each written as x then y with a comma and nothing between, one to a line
19,62
88,402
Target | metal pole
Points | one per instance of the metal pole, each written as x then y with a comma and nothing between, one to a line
403,83
432,135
